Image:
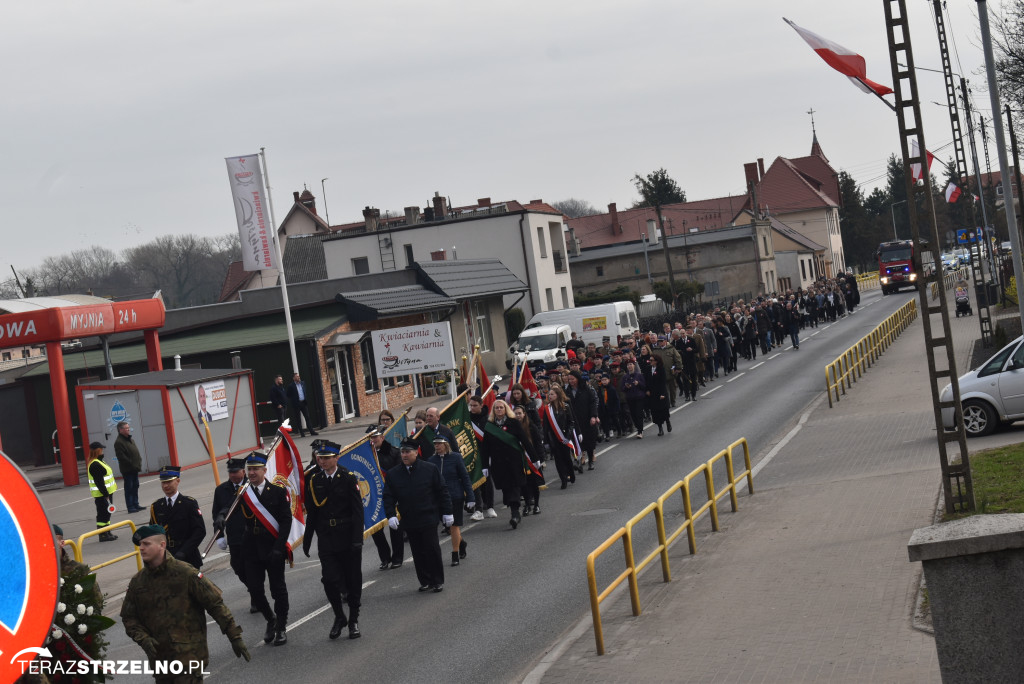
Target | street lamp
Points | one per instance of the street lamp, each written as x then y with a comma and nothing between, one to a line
893,210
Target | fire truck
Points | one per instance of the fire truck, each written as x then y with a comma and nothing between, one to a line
896,265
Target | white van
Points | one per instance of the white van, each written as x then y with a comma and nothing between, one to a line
592,323
540,344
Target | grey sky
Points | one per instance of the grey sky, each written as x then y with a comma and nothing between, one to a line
117,115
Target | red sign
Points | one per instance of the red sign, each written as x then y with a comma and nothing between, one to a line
28,594
72,322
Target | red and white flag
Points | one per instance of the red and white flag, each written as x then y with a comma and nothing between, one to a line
527,381
843,60
284,467
489,396
952,193
916,171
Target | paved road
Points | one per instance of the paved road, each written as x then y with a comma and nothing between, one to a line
518,591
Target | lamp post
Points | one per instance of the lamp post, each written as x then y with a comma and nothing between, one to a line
893,210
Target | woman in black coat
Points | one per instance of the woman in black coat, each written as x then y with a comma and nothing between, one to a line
555,410
657,394
504,462
533,481
582,402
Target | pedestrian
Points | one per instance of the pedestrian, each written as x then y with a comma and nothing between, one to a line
479,413
434,426
165,606
559,429
583,406
671,361
534,478
231,530
793,320
635,387
265,541
334,512
607,406
391,556
656,380
129,461
460,489
689,353
415,488
180,517
102,487
502,451
279,399
298,398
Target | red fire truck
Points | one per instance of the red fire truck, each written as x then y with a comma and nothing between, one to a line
896,265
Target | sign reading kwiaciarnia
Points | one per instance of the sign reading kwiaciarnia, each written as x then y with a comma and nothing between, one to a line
416,349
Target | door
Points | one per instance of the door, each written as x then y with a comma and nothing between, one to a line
342,388
1011,384
112,408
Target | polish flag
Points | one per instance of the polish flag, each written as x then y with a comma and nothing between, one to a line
842,60
916,169
952,193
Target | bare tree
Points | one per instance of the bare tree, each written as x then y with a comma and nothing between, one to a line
574,208
1008,44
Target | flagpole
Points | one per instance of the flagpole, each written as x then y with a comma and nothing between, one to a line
280,266
888,104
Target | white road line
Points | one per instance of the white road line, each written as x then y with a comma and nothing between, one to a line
789,435
712,390
813,334
736,377
756,365
788,348
773,356
679,408
309,617
605,450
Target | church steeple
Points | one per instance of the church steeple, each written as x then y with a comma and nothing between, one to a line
815,146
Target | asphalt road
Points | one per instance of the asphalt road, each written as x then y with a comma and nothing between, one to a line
519,591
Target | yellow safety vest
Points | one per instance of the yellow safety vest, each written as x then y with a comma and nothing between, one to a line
108,480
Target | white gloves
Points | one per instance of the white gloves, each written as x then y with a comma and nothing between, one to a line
448,520
536,464
470,505
486,472
222,543
393,523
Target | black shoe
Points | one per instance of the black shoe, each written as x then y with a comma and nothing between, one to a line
668,424
590,466
516,519
527,509
268,635
281,637
253,610
384,565
395,566
424,587
339,623
455,558
462,547
438,588
353,630
313,433
565,484
661,431
536,510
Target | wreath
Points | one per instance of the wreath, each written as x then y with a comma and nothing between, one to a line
77,631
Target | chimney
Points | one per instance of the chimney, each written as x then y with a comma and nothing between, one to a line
372,218
440,207
614,214
412,215
484,202
750,170
428,214
760,168
537,201
295,196
437,255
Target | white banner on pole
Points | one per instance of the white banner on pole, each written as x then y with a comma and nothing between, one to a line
415,349
250,210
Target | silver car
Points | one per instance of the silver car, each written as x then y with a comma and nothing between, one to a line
991,394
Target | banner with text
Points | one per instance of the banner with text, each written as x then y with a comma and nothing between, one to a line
251,212
416,349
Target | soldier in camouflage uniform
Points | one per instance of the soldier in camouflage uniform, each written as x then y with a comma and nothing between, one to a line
165,605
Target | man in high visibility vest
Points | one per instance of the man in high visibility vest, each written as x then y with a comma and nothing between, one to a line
102,487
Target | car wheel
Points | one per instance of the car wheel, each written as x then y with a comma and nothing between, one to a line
979,418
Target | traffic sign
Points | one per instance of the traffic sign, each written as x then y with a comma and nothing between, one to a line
28,593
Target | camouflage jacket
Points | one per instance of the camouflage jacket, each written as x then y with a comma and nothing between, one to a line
167,605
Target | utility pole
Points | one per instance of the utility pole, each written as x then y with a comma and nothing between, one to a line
668,257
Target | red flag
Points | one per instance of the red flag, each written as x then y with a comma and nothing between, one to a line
284,468
527,381
841,59
952,193
489,397
916,170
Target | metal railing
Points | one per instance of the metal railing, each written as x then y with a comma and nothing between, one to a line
949,279
98,531
657,508
867,281
851,364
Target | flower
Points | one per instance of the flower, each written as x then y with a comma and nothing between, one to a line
89,610
81,609
56,634
78,588
62,581
83,628
69,619
61,607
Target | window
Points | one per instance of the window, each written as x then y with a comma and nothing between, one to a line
764,239
540,241
803,269
600,271
482,326
565,298
409,260
999,190
369,364
360,266
550,298
6,356
25,353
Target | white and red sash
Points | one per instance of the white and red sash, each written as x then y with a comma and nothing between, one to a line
260,510
478,431
549,415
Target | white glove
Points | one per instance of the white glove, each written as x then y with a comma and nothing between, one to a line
536,464
470,505
222,544
393,523
486,472
448,520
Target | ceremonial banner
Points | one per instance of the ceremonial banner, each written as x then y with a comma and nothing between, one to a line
398,431
456,417
251,212
284,467
361,461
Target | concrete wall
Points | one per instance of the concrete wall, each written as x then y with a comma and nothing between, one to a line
821,226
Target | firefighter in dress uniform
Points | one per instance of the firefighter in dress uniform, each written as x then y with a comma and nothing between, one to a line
180,516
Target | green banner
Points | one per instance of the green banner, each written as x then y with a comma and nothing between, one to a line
456,417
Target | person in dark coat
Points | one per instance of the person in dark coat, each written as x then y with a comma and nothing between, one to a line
298,399
231,530
279,399
415,488
656,380
687,347
265,552
607,406
634,385
556,413
460,489
334,512
479,413
505,442
583,406
180,516
533,480
387,458
129,460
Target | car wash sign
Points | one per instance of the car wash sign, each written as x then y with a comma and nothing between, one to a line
415,349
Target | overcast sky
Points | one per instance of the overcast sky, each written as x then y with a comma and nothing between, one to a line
117,115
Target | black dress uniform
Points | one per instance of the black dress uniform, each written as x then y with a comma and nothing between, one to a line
183,521
265,552
390,556
234,529
334,511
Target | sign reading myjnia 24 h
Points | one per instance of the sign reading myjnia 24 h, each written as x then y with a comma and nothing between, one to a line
415,349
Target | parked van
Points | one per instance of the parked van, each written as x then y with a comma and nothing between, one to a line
540,344
592,323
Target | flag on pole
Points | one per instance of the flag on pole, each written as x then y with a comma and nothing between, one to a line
284,468
916,170
398,431
527,381
489,396
952,193
843,60
456,416
361,460
251,212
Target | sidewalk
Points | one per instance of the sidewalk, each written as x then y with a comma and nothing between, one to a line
809,581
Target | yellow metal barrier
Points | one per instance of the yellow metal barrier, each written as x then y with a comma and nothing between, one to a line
852,363
95,533
867,281
658,509
949,280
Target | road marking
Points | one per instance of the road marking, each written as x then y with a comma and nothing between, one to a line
813,334
712,390
309,617
789,435
605,450
680,408
756,365
736,377
788,348
826,327
773,356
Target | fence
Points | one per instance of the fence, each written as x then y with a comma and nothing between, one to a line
851,364
98,531
657,508
867,281
948,280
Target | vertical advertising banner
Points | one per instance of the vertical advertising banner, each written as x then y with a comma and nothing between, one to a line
251,212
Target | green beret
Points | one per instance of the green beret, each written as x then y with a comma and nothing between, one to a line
57,530
147,531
